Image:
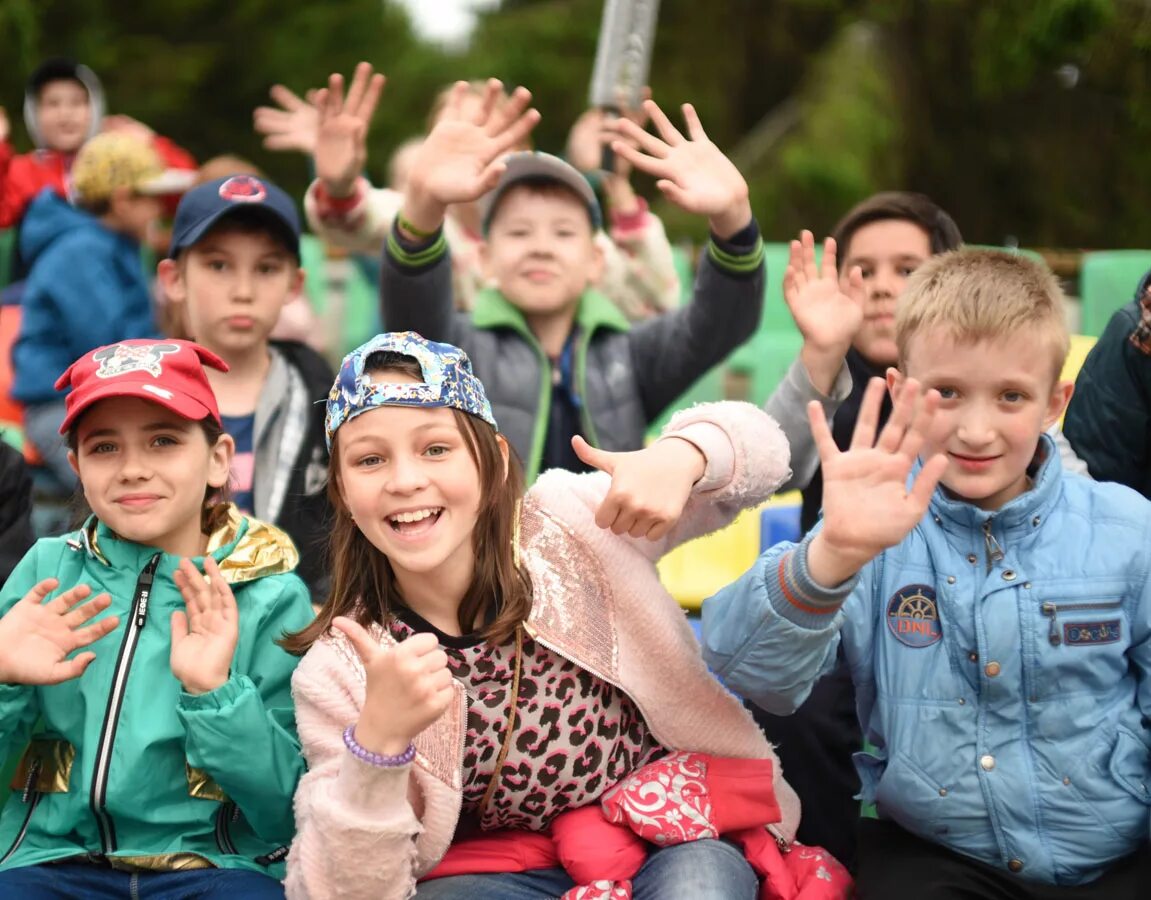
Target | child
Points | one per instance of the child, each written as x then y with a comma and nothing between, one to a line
1108,421
87,286
556,356
161,763
472,646
63,107
1000,645
639,272
845,310
234,264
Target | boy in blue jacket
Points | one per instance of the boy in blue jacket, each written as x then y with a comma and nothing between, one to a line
87,286
994,611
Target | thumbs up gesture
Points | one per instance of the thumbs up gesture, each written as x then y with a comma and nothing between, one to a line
409,686
649,487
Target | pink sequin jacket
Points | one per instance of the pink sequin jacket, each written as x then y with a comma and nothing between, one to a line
367,832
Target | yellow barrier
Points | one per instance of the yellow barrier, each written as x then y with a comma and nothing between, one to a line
696,570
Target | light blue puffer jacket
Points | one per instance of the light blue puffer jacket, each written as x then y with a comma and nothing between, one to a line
1002,663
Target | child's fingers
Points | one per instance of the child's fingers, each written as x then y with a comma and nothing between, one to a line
821,432
371,98
492,90
927,481
674,193
694,125
497,120
649,164
361,75
916,435
516,134
663,125
335,95
179,623
358,637
867,423
72,668
649,143
82,637
39,591
902,415
609,510
490,177
286,97
601,459
829,263
78,615
454,108
855,285
807,242
65,600
225,600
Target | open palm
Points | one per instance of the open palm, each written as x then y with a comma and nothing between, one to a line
693,172
459,160
204,637
36,637
867,505
342,130
827,312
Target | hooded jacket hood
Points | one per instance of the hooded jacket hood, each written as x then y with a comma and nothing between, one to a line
49,217
56,70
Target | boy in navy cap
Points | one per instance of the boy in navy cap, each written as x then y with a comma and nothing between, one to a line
234,262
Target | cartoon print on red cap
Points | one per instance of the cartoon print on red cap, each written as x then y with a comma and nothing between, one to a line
119,359
244,189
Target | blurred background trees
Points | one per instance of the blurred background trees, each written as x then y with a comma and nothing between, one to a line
1027,120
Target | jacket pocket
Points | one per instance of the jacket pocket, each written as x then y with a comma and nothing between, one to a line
45,768
1130,766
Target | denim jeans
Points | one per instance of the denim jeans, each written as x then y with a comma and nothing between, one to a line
80,881
698,870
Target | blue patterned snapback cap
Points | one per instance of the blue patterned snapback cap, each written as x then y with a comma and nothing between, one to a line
448,381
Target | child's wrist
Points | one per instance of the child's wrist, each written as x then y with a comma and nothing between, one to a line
342,189
421,216
830,566
731,221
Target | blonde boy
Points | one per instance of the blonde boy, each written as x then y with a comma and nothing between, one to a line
994,610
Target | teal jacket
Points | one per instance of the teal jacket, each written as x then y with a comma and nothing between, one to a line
121,763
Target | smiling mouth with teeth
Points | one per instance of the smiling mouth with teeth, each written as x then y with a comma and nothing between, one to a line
414,520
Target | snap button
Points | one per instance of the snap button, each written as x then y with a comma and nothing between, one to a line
943,792
951,579
1016,865
973,656
1027,584
1009,575
1066,779
962,701
972,558
1035,521
987,762
991,669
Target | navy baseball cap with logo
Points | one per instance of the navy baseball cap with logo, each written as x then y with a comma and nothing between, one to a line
237,195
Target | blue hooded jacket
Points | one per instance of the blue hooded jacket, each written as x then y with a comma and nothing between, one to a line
86,288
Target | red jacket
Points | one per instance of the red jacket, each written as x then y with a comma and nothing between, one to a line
23,176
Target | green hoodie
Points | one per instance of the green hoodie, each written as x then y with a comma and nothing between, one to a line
121,763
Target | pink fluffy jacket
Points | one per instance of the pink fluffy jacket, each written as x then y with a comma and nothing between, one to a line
368,832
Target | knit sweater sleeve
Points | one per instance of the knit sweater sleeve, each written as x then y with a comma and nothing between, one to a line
746,455
355,827
359,223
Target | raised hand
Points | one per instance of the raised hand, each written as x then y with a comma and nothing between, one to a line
827,312
341,144
36,637
459,160
409,686
867,506
590,134
649,487
693,172
294,126
204,637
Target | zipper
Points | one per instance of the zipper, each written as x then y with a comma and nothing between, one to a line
136,621
1053,609
991,546
580,377
783,843
29,794
228,812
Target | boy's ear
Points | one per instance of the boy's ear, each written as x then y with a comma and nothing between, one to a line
895,380
296,289
595,272
172,280
1057,402
220,464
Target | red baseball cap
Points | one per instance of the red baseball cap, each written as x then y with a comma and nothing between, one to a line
168,372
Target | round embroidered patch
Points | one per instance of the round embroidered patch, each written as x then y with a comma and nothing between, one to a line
913,617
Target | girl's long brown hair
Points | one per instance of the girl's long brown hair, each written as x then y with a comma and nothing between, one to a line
363,585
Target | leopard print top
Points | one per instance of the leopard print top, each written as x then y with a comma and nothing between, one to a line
575,734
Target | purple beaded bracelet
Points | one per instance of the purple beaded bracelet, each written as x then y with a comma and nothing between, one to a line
376,759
